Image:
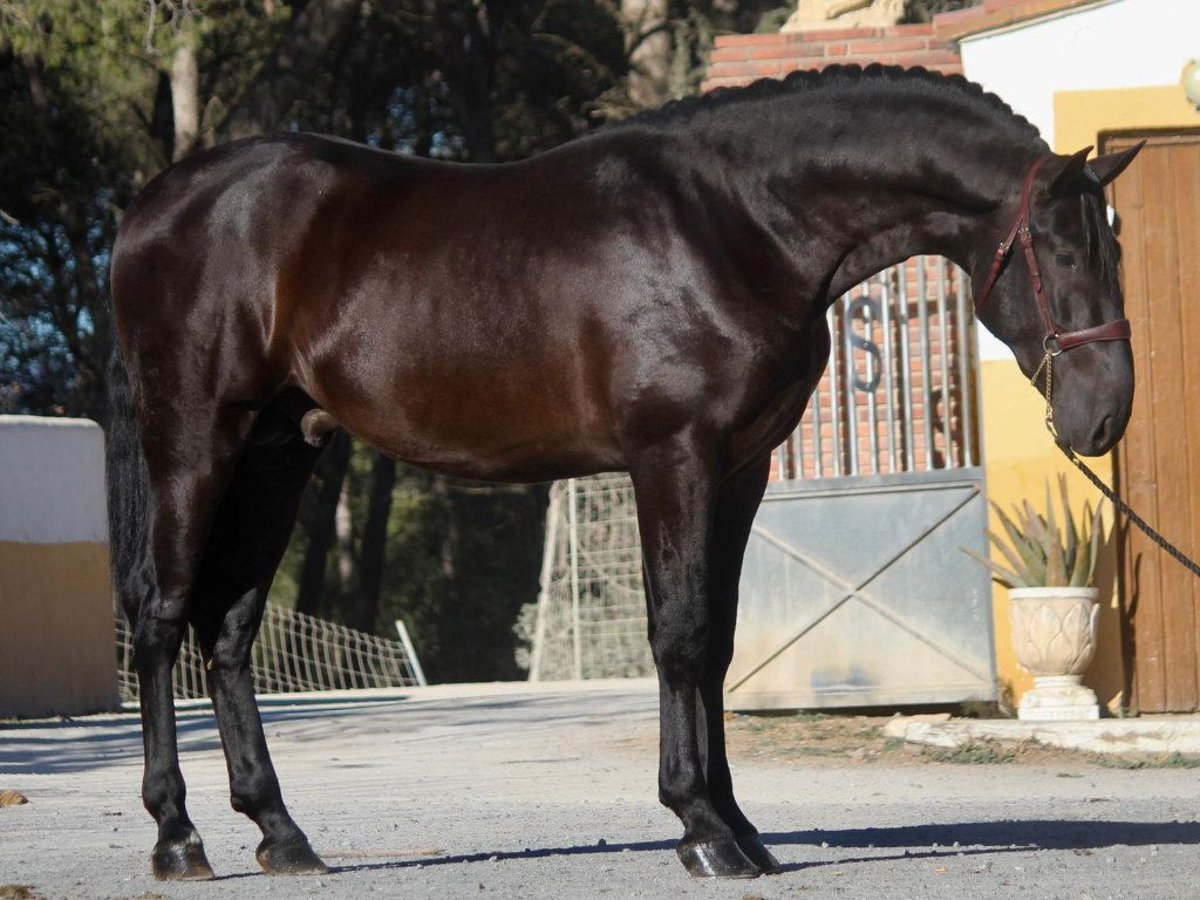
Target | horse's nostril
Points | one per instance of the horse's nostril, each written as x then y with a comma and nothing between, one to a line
1103,434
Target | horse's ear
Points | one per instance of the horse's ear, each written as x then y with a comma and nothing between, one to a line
1066,172
1111,165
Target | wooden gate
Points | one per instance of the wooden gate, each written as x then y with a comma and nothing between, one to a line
1158,462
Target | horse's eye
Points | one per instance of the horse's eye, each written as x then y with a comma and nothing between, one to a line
1065,259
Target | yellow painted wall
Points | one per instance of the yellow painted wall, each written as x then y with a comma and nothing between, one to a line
58,655
57,639
1018,451
1019,457
1081,116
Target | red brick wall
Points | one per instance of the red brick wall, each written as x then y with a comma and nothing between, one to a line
741,58
948,393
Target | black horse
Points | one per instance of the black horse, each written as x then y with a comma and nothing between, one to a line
648,298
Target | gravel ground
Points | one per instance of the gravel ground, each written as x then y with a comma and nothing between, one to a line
504,791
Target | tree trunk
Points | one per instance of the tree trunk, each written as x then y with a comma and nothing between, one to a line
374,543
344,528
317,521
185,93
648,43
449,549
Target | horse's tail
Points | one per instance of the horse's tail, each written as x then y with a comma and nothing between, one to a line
130,562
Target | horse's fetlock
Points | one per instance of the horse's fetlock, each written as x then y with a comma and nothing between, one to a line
163,795
254,795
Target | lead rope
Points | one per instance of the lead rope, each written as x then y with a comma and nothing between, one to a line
1175,552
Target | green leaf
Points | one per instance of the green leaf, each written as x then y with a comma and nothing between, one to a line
1033,560
1072,547
1010,555
1096,542
1000,574
1084,562
1056,564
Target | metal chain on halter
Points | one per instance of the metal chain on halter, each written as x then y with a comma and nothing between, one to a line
1175,552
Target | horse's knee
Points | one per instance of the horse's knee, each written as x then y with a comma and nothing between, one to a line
680,645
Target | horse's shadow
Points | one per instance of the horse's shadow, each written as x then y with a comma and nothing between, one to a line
919,841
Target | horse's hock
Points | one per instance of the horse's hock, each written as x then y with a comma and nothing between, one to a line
58,654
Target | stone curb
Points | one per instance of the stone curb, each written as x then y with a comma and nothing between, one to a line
1152,734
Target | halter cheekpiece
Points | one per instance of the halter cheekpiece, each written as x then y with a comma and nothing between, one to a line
1056,340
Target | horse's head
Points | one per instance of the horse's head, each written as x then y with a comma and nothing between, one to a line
1054,287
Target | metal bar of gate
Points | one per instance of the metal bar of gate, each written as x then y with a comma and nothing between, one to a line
944,360
926,388
850,400
965,359
831,321
872,412
906,368
888,380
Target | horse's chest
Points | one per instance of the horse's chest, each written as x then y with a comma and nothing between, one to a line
776,411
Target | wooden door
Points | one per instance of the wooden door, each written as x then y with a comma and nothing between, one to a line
1158,462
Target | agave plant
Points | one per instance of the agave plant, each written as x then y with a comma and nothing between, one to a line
1040,553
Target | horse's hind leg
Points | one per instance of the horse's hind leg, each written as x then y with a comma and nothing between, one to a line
244,548
189,465
737,502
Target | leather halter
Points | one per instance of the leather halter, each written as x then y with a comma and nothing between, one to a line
1055,340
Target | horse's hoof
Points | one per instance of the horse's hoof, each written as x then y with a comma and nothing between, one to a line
181,860
757,853
717,859
291,856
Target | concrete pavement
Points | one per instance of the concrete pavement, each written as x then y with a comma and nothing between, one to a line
525,791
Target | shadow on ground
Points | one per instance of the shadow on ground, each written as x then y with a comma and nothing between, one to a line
918,841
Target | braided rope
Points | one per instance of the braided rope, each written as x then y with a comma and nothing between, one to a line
1185,561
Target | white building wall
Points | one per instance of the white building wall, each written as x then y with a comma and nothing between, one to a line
1118,44
58,655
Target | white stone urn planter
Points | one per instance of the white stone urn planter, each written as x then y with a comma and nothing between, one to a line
1054,636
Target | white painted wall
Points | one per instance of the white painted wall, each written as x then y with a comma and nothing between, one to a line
51,480
1121,43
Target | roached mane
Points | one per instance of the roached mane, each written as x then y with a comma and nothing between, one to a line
917,80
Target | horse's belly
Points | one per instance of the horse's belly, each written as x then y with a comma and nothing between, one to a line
476,429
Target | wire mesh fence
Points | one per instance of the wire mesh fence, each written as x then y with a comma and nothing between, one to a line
293,652
591,614
896,396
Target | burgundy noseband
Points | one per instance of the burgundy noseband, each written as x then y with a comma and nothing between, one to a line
1055,340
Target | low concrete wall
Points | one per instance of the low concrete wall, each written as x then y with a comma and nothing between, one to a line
57,646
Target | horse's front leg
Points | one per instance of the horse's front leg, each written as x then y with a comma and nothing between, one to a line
676,489
737,502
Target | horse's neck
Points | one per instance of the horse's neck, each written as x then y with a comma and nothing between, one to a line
846,202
